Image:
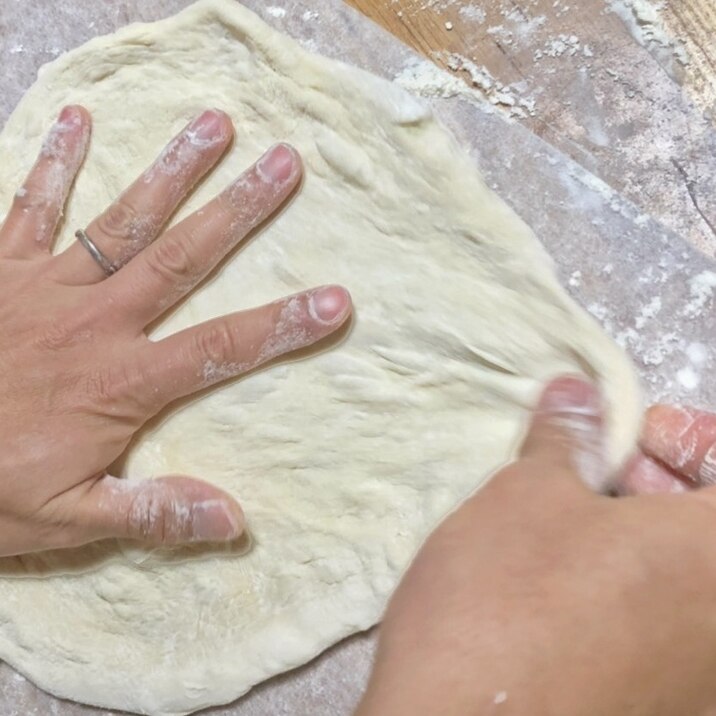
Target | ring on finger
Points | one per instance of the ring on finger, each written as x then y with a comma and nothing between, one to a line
104,263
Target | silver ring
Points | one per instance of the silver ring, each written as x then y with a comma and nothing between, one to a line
104,263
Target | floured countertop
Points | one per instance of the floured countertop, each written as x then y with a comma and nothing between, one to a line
649,288
626,88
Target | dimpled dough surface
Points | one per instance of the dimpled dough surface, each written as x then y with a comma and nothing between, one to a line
343,461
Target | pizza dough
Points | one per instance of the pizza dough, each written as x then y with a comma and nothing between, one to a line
343,461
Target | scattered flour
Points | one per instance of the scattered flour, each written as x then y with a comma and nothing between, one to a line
643,19
697,353
651,348
568,45
275,11
309,44
601,313
472,13
517,30
655,352
688,378
701,288
649,311
426,79
415,7
511,98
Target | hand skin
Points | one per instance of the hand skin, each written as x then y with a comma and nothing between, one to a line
538,597
78,374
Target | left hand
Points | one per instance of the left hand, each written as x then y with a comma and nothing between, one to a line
540,597
78,373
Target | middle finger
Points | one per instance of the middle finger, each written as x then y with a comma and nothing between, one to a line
172,266
134,220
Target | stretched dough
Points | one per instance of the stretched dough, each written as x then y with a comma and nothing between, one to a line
344,461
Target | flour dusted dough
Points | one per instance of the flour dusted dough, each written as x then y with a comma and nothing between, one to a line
345,461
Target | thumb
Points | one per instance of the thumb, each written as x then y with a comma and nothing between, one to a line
168,510
567,432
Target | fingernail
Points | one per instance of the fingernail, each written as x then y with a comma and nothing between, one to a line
277,164
207,125
215,521
328,304
70,115
570,394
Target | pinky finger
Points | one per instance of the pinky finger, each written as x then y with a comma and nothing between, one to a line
37,207
235,344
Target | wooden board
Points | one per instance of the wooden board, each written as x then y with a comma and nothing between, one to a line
694,21
633,115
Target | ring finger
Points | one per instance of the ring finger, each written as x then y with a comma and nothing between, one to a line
135,219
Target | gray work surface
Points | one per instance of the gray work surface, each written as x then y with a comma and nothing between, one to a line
651,290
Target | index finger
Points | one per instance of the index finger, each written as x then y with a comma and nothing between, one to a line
684,439
180,259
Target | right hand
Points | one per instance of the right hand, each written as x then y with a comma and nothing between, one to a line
78,374
538,596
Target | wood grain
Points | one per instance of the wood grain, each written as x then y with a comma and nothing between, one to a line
631,114
694,22
422,25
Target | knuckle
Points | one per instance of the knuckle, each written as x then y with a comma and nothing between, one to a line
215,343
119,221
146,516
60,335
67,326
100,387
170,260
156,516
117,391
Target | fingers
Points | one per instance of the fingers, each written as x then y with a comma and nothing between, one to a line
684,439
136,218
169,510
175,264
566,435
645,476
232,345
37,207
